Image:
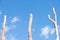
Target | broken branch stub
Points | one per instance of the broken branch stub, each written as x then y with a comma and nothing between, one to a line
3,27
30,28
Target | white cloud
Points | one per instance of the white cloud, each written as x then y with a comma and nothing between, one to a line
10,28
45,31
52,31
15,19
7,29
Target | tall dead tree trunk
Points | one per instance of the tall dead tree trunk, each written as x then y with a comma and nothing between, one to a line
3,27
29,28
55,23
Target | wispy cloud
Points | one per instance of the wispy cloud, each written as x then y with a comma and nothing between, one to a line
9,28
46,30
52,31
15,19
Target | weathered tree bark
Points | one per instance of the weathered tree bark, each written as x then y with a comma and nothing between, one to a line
3,27
55,23
29,28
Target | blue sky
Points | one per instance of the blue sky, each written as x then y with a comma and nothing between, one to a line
18,11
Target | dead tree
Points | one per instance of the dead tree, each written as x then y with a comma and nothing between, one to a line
3,27
54,21
29,28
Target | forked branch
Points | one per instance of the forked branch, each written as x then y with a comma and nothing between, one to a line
54,21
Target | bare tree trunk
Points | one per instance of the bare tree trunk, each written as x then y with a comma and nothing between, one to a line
3,27
55,23
29,28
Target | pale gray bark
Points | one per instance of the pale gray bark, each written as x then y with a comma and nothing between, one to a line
55,23
30,28
3,27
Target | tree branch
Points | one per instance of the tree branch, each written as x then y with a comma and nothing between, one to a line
50,19
55,23
55,16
